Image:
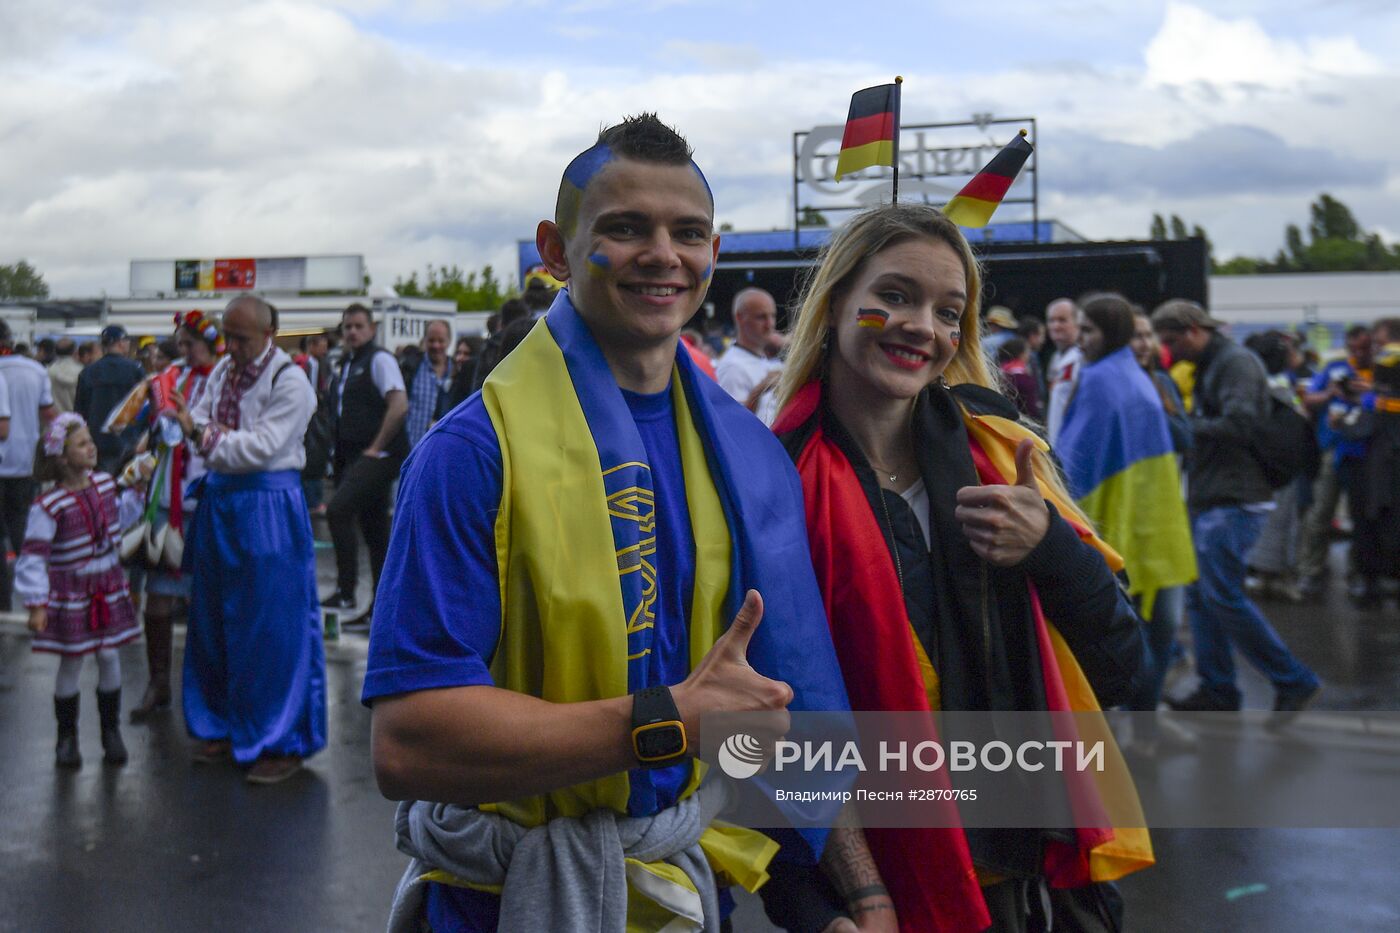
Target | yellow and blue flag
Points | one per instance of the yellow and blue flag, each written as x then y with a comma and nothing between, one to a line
1121,469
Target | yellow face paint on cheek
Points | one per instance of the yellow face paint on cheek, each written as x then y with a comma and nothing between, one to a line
598,264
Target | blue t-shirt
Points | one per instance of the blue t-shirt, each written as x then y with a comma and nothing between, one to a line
1328,439
438,609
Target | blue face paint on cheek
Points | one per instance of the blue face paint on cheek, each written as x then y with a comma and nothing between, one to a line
598,264
705,276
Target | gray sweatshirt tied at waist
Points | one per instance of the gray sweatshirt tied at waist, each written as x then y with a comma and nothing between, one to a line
567,875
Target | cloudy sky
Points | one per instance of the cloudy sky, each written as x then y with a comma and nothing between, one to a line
435,131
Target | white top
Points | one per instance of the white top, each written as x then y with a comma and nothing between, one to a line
27,385
739,370
1062,376
32,570
1070,356
272,424
384,370
63,381
917,497
4,399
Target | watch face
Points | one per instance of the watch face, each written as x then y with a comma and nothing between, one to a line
662,740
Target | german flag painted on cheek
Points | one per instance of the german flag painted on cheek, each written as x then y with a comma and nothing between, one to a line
973,206
871,129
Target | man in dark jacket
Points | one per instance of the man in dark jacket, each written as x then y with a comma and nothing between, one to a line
1229,498
370,446
101,387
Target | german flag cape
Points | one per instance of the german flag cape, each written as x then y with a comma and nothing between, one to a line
575,536
929,871
1120,466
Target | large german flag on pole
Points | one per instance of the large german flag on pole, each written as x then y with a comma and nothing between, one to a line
872,130
973,206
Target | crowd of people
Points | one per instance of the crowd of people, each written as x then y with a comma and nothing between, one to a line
609,528
173,481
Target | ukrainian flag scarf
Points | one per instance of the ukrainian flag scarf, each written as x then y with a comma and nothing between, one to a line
1119,464
575,537
929,871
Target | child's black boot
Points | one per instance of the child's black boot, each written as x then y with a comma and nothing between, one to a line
109,708
66,755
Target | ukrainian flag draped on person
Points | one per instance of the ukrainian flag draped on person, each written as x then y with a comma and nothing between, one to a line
1121,469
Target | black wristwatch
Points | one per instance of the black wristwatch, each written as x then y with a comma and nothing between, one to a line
658,734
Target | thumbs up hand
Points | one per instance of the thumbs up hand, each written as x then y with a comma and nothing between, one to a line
1005,523
723,681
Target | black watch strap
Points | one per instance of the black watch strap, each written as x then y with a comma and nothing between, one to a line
658,734
653,705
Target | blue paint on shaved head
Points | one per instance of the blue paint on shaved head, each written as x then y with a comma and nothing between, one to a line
703,181
586,165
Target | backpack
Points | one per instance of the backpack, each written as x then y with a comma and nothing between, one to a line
1284,443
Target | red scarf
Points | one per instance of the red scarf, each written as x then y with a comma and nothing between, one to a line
928,871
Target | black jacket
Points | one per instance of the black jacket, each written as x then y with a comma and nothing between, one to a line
1232,397
102,385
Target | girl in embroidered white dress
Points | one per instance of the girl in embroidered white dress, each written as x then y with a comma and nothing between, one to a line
70,578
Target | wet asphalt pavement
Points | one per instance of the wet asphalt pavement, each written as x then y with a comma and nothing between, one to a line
164,844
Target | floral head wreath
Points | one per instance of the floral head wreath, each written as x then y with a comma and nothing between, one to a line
206,327
56,434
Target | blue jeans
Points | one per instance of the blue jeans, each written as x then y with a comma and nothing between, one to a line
1162,647
1222,615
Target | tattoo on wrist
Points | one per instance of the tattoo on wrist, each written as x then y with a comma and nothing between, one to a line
870,908
870,890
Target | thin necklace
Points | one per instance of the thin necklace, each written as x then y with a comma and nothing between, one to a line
894,477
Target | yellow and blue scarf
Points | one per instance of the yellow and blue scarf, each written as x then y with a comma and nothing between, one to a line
575,537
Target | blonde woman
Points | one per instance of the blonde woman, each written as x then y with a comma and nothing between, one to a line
949,555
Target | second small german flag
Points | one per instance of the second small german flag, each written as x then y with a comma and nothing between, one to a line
870,130
974,204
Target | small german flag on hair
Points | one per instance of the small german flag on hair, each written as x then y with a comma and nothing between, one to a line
973,206
871,136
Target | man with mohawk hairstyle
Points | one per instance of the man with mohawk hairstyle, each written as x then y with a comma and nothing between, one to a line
590,555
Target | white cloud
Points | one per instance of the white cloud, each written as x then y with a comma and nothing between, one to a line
1194,48
288,127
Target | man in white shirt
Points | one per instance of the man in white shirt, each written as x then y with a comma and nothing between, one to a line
29,406
746,364
1062,321
255,669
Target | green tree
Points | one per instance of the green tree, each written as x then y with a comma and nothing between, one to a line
1334,242
1158,230
811,217
1178,228
1199,232
1293,242
1332,220
470,290
22,280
